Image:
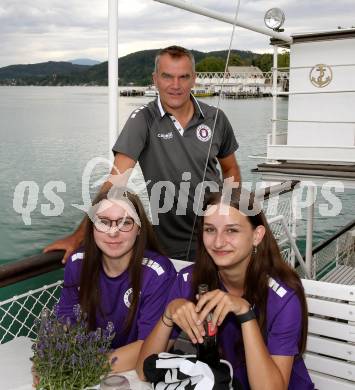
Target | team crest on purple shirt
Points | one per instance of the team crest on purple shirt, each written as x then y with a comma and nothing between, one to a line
127,298
203,133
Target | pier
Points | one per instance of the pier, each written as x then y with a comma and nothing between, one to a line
245,95
241,82
132,92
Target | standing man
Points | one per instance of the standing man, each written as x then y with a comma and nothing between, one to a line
173,140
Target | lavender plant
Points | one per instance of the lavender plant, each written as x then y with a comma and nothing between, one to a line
66,355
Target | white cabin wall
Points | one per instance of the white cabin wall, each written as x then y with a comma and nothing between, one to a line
324,107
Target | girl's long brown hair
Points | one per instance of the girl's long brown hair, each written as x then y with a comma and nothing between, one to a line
89,294
266,263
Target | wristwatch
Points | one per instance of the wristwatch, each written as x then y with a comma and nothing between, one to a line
248,316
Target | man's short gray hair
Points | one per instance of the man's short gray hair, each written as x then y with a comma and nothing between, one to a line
175,52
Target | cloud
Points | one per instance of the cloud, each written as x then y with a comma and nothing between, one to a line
40,30
39,16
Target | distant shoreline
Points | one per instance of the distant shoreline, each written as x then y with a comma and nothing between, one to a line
135,69
120,87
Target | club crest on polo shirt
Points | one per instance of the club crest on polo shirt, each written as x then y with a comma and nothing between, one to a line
127,298
203,133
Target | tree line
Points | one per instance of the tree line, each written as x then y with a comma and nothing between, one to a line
264,62
133,69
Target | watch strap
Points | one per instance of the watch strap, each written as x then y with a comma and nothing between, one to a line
248,316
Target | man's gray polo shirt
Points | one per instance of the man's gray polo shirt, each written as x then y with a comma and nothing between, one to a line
172,160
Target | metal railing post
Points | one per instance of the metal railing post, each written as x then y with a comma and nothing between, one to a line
309,235
274,95
293,233
112,73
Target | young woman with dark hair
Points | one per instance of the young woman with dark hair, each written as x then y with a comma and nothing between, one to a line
119,275
256,300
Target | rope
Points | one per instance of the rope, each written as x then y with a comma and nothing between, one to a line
214,124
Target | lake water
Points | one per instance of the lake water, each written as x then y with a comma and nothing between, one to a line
50,133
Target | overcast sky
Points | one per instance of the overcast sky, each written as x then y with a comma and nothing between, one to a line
34,31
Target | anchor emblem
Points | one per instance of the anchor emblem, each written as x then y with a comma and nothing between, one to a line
320,75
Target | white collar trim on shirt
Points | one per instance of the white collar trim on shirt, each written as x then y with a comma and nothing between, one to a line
199,107
162,111
176,123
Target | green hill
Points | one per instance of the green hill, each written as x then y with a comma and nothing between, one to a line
133,69
40,70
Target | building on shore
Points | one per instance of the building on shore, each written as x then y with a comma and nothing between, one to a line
240,80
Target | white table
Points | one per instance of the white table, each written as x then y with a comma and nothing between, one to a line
15,367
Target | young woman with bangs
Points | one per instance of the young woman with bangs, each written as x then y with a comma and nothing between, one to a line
119,275
256,300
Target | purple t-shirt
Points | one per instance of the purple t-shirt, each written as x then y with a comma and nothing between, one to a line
115,296
283,330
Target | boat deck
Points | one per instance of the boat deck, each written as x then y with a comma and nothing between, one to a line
341,274
301,168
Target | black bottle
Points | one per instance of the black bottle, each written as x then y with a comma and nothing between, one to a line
207,351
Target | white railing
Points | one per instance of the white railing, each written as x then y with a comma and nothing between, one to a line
282,222
240,80
338,253
263,76
330,354
18,313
